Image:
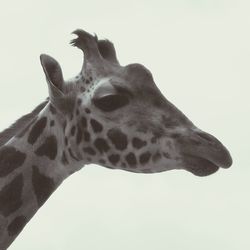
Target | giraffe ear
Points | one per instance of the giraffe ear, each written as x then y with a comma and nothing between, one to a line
54,77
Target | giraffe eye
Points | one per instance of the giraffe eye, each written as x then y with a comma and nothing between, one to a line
111,102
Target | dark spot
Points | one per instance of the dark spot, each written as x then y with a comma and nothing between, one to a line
82,89
79,102
101,145
154,139
131,160
78,134
166,155
10,159
37,130
114,158
87,111
89,150
87,81
175,135
64,125
66,140
118,138
72,155
144,158
64,159
84,122
138,143
194,141
73,130
90,78
156,157
48,148
97,127
86,136
158,132
52,123
10,196
77,112
17,225
52,109
43,185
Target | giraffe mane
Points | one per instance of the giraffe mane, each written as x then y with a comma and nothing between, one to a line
20,124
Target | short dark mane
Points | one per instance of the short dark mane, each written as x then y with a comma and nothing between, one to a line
20,124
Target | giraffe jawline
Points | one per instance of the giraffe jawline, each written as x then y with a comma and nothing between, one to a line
200,166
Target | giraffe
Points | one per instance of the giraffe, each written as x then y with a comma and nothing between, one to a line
110,115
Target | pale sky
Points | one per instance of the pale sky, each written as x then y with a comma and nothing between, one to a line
199,54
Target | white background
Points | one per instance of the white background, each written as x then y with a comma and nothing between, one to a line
199,54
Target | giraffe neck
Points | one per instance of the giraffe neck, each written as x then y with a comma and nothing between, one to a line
32,165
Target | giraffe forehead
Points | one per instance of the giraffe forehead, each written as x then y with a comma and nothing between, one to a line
134,77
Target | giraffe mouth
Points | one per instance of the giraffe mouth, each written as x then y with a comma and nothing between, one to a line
206,162
200,166
203,153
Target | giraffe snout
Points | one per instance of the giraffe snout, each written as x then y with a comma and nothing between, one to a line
203,153
215,150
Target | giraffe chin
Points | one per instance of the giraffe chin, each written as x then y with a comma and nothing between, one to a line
200,166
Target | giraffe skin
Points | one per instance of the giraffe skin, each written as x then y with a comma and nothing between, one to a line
110,115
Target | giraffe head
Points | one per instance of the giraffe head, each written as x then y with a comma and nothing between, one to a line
115,116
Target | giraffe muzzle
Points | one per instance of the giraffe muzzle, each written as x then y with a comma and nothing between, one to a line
204,154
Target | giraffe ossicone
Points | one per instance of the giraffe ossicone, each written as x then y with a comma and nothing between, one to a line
110,115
